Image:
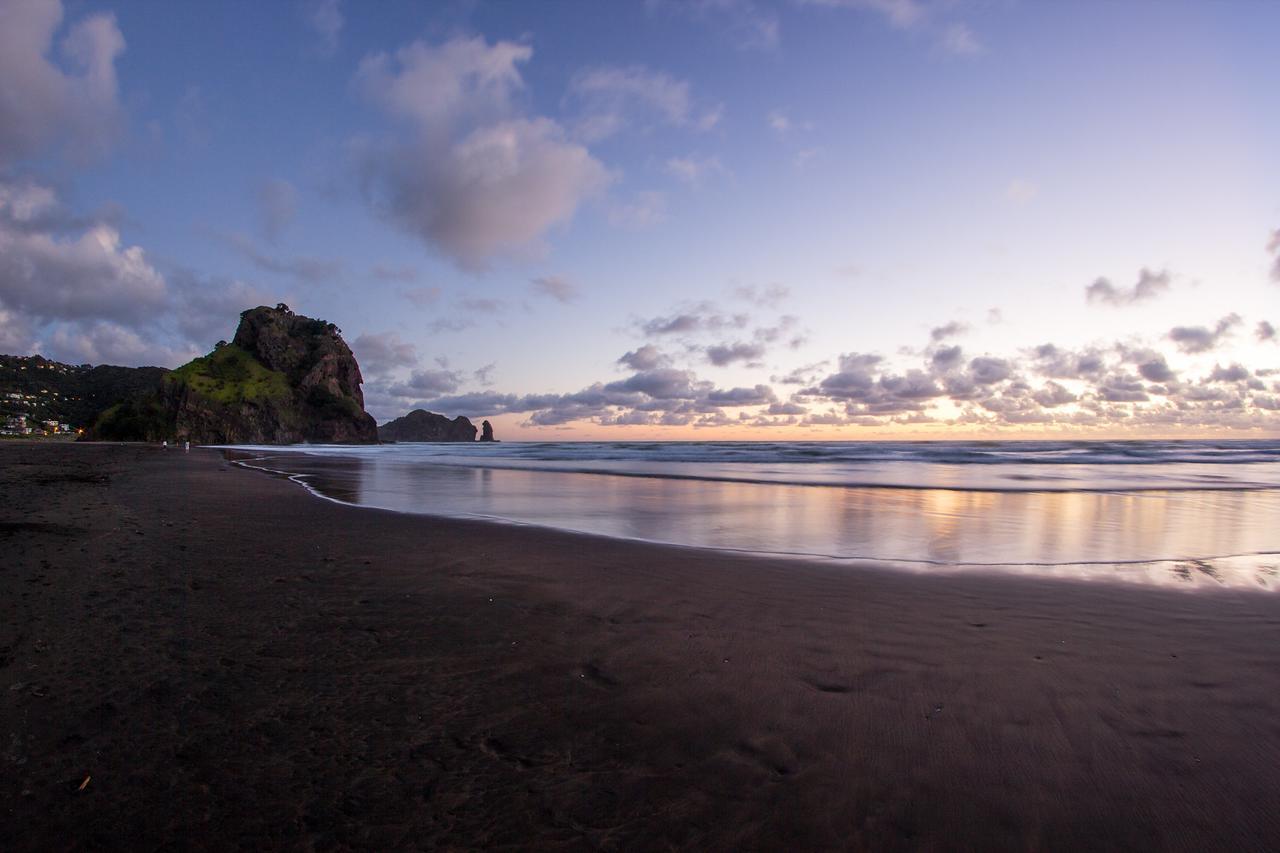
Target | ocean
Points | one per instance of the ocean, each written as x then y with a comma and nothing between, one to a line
1173,513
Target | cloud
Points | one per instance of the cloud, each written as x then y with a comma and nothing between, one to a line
1053,395
325,19
422,297
556,287
1149,286
988,371
693,170
646,209
104,342
434,86
1232,373
470,177
1197,339
428,383
747,24
779,121
949,330
207,308
406,274
959,40
1156,369
1062,364
758,395
692,319
615,96
1273,246
619,87
481,305
72,289
646,357
944,359
662,383
50,277
379,353
725,354
768,296
804,375
1117,387
304,269
277,205
787,409
1265,331
902,14
41,105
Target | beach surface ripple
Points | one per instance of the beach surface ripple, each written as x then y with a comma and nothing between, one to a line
198,656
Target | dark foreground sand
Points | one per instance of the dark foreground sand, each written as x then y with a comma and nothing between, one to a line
234,663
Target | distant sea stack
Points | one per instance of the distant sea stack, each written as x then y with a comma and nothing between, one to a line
283,379
486,432
420,425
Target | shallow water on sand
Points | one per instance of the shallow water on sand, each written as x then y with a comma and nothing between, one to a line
1168,513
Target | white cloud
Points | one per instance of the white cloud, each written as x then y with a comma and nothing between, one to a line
49,277
614,97
43,106
104,342
435,86
72,289
472,179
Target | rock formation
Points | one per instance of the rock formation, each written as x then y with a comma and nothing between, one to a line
283,379
420,425
486,432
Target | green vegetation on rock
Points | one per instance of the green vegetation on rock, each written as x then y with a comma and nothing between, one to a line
229,375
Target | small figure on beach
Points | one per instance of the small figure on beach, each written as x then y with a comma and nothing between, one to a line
165,444
186,446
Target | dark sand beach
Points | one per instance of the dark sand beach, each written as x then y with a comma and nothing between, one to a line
198,656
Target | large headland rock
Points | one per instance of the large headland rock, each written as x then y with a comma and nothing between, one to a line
421,425
283,379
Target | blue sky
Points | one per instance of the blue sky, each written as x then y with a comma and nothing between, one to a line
729,218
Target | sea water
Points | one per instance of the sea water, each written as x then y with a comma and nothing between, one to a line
1187,513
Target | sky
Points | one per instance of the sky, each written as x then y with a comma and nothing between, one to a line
728,219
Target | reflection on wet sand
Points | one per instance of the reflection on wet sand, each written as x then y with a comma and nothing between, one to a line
1225,538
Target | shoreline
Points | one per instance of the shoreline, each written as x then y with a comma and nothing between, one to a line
1260,571
234,663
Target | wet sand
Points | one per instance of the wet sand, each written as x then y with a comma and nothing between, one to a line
231,662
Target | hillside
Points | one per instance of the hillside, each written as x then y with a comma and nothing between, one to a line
44,390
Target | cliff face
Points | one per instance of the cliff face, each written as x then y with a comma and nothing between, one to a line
421,425
284,379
